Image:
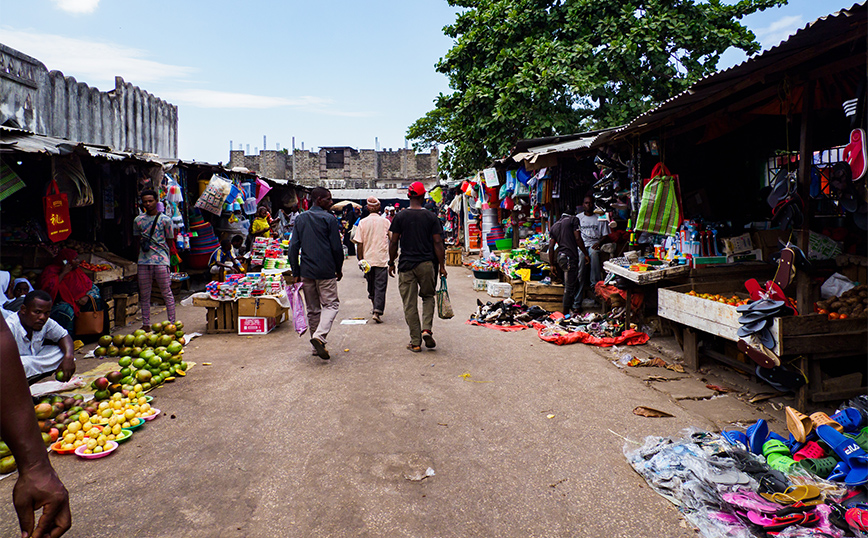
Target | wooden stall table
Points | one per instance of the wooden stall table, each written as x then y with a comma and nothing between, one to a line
547,296
220,316
809,339
643,278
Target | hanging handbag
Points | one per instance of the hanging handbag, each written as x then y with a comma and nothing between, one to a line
56,208
90,322
660,210
444,305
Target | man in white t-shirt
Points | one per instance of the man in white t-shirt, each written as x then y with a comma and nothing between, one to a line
593,232
43,344
372,239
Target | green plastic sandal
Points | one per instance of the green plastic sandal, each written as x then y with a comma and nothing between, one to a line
821,467
774,446
780,462
861,439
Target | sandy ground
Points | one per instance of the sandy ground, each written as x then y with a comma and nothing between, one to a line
524,438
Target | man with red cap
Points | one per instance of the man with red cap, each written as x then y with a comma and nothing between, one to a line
372,239
419,234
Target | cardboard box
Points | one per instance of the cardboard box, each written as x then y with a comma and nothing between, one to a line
266,307
769,241
256,325
742,243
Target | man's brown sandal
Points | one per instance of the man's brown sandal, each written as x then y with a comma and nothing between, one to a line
414,349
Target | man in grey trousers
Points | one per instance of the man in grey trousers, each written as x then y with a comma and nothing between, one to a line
316,237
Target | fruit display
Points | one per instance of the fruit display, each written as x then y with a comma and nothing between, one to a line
732,300
95,267
853,303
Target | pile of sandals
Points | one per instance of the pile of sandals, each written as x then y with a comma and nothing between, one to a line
757,483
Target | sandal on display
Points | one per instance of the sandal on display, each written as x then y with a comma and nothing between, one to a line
766,360
774,446
811,451
856,154
840,472
849,418
861,439
798,424
750,501
819,419
780,462
757,435
852,455
773,482
822,467
736,438
857,517
802,493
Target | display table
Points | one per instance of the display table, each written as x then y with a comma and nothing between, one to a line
808,339
643,278
220,316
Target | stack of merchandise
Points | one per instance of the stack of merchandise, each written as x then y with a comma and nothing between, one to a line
536,243
223,291
264,248
276,263
240,286
203,242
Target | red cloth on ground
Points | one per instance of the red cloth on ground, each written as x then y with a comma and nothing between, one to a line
74,285
627,338
604,291
504,328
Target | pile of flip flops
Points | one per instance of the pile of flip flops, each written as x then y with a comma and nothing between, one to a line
758,483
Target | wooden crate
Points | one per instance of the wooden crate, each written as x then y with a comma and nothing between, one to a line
453,256
517,287
223,318
549,297
126,308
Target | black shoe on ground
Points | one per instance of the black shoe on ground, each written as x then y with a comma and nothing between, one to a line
429,339
320,348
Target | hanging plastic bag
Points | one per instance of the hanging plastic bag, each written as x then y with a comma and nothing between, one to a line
444,305
660,210
56,206
299,314
214,195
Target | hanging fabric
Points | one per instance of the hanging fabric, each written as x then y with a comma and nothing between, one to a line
660,210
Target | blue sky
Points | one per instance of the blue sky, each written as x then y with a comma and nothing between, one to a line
329,73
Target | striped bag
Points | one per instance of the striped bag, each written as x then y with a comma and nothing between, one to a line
660,210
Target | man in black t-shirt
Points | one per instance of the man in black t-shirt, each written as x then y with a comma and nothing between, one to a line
419,234
566,234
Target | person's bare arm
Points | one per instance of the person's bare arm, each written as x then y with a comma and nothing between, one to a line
553,261
393,252
38,485
440,252
360,251
579,241
67,365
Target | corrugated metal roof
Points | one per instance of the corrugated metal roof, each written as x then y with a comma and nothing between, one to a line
839,27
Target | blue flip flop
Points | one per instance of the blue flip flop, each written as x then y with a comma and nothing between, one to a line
850,452
849,418
839,473
757,435
735,438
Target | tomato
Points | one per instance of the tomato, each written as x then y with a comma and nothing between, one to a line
834,315
822,311
843,316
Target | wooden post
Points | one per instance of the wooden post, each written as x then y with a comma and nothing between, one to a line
806,157
691,349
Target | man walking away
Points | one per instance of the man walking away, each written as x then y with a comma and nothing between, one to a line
154,231
372,238
419,234
566,234
316,235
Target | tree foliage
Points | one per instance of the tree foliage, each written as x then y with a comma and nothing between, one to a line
533,68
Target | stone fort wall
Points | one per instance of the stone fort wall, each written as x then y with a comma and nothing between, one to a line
342,167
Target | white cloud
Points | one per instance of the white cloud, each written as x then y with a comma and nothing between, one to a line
94,62
218,99
77,6
779,30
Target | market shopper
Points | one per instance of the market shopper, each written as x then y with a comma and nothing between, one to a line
154,231
564,247
317,239
223,261
593,231
419,234
372,239
44,346
37,486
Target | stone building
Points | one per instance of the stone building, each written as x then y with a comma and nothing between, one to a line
340,167
49,103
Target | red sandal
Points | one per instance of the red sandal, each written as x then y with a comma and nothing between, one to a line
811,451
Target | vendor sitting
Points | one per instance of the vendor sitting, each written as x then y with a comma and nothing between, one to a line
223,261
20,288
43,344
70,288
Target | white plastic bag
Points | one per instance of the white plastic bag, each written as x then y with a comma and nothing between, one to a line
835,286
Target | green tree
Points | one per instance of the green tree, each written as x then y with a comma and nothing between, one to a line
533,68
